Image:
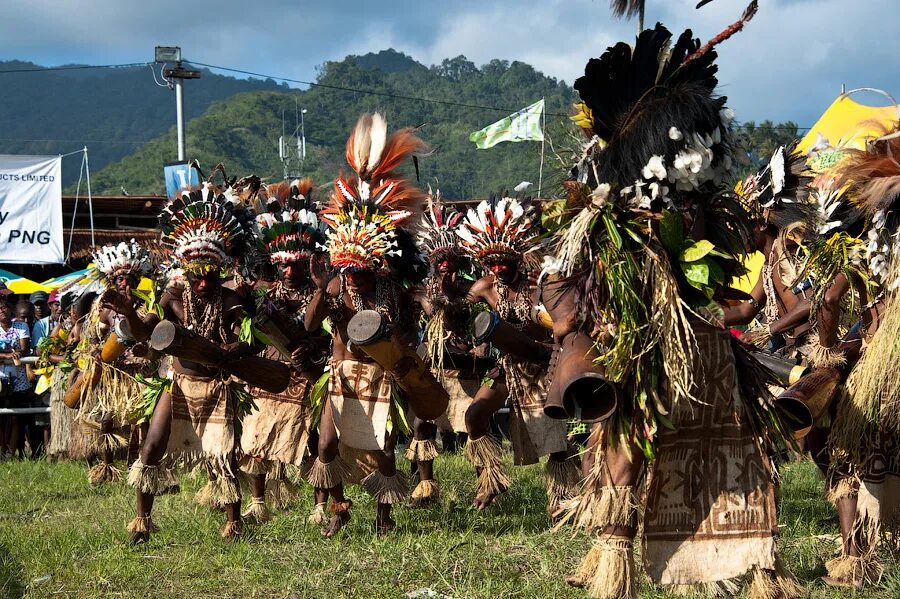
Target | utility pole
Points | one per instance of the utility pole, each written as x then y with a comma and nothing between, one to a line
175,78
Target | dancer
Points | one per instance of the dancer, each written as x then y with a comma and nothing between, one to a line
778,200
376,256
499,234
108,359
860,191
278,433
651,236
458,365
195,420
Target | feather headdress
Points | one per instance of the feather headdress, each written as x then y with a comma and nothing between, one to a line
124,258
290,230
372,216
206,229
499,229
779,194
651,235
438,234
872,177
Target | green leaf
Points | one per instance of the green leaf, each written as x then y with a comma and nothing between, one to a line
696,251
697,273
260,336
612,230
246,334
671,232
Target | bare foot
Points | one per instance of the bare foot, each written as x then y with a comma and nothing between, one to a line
231,531
483,502
384,525
576,581
135,537
340,515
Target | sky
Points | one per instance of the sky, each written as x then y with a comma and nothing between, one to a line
788,64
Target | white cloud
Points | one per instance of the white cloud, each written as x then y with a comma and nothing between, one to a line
788,63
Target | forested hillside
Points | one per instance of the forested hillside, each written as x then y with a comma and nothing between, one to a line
112,111
124,107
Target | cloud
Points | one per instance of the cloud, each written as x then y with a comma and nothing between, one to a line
789,63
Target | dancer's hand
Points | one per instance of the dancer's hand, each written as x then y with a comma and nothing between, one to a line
319,272
117,302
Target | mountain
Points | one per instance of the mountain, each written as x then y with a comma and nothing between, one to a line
243,131
112,111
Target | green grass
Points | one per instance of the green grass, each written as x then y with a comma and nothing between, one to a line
53,524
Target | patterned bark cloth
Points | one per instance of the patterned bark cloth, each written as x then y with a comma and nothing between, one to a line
461,386
202,422
533,433
710,512
278,430
360,394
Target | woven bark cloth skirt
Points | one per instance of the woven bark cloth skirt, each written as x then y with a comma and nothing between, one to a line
461,386
360,395
202,429
278,430
533,433
710,512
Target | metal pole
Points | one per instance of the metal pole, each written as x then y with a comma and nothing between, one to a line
302,137
87,173
179,115
543,135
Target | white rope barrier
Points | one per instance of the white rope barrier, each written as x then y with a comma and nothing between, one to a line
20,411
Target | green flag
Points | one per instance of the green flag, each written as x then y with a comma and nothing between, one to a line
524,125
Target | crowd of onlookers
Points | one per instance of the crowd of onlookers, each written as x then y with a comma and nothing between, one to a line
24,321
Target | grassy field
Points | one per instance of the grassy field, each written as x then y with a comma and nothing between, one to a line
60,537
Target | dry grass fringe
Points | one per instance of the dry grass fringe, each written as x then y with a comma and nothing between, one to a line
104,473
562,480
612,573
219,492
484,453
719,589
330,475
153,480
673,331
142,524
874,385
257,511
318,516
282,492
842,489
863,569
779,583
601,507
426,490
424,450
386,489
820,356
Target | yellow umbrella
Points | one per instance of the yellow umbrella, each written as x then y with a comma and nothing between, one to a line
847,123
26,286
753,264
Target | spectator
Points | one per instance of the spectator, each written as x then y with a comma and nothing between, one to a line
56,311
13,345
39,426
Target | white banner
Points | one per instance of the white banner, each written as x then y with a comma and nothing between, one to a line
31,230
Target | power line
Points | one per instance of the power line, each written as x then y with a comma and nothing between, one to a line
365,91
302,82
77,67
79,141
